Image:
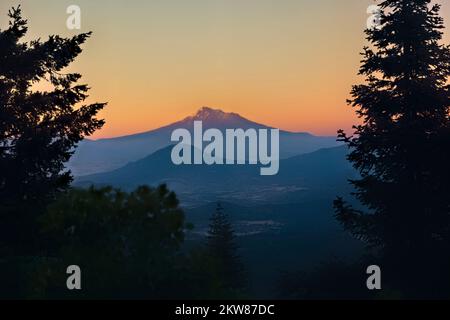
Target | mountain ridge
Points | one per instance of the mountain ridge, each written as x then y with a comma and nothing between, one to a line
200,116
95,156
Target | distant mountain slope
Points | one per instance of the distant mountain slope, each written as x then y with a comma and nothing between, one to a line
109,154
323,172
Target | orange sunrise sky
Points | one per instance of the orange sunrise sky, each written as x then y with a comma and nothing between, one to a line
285,63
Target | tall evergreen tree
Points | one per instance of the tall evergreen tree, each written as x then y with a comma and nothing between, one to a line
38,129
222,247
402,147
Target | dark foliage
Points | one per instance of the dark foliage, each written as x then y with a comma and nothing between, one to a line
127,244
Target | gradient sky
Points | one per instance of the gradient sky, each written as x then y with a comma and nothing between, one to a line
285,63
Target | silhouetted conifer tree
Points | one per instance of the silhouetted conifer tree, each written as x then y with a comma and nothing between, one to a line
38,129
402,147
221,245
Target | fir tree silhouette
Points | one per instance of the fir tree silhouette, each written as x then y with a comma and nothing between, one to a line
221,245
402,149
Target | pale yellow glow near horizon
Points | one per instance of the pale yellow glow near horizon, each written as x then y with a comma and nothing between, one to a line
285,63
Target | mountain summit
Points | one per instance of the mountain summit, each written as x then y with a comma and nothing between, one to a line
207,113
216,118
